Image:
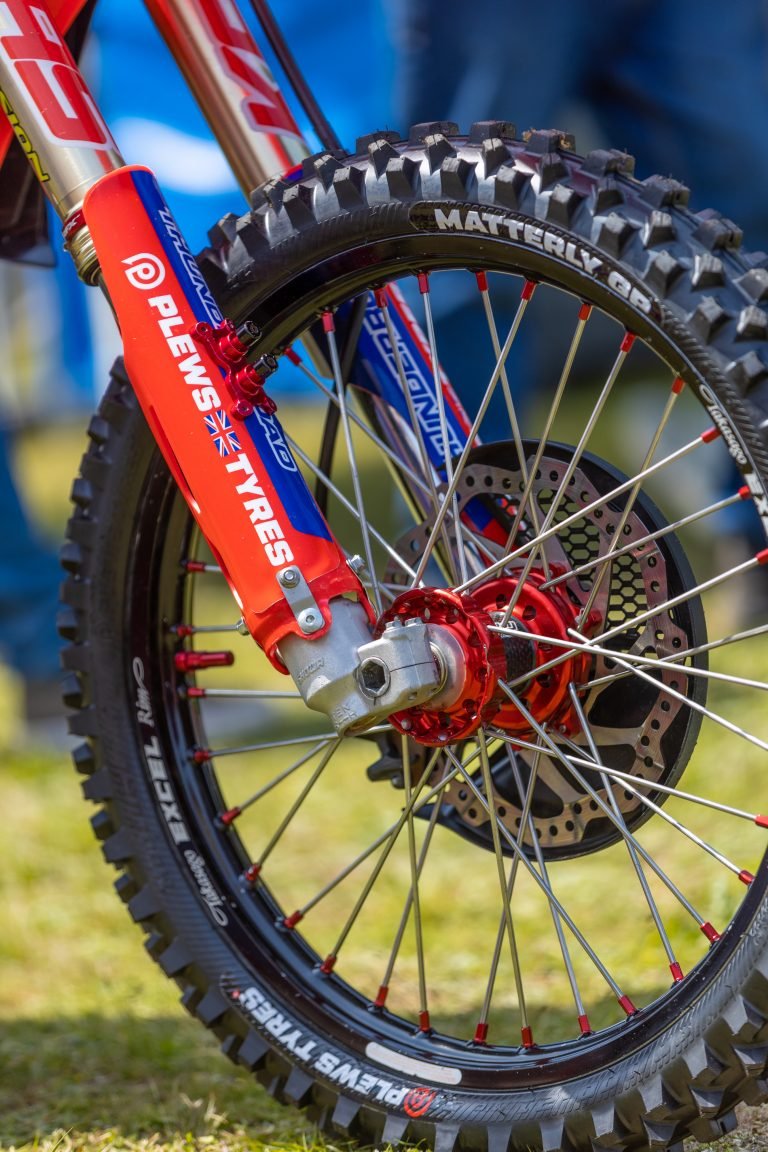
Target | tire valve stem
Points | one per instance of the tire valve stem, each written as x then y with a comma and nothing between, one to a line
193,661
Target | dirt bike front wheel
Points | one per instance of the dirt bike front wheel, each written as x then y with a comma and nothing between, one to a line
530,916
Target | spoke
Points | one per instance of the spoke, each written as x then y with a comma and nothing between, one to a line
618,822
381,997
293,809
394,343
386,842
341,391
711,645
450,501
652,906
514,423
694,704
639,781
454,476
423,1002
196,567
580,514
481,1032
201,755
381,540
674,660
689,594
194,692
238,809
367,431
584,314
573,463
581,1014
592,643
642,541
202,629
693,670
500,867
631,500
427,469
742,874
549,895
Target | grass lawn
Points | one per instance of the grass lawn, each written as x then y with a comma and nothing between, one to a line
95,1051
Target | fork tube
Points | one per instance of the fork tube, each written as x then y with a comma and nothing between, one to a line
54,117
233,86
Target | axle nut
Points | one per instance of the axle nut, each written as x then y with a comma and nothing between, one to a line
373,677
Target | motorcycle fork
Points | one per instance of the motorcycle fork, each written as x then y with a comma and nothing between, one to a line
202,397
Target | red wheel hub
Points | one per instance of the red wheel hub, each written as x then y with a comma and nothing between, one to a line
474,658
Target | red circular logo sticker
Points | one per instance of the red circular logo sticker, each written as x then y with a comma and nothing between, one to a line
418,1101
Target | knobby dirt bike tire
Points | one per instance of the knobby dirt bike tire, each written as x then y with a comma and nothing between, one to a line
532,207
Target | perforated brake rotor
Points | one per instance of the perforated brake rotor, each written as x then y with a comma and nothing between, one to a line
636,725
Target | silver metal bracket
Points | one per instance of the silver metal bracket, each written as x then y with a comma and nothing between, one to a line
300,599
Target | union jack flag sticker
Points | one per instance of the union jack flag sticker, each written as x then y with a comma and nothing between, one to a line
222,432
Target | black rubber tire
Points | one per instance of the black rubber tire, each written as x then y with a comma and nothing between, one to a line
677,279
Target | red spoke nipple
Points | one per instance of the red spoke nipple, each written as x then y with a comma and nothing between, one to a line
381,996
292,920
181,629
230,815
424,1024
201,755
677,972
328,964
251,875
627,1005
481,1032
746,877
584,1025
527,1035
711,933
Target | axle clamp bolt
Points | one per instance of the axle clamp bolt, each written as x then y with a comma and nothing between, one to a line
289,577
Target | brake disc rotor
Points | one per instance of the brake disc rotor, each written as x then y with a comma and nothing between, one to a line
638,717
